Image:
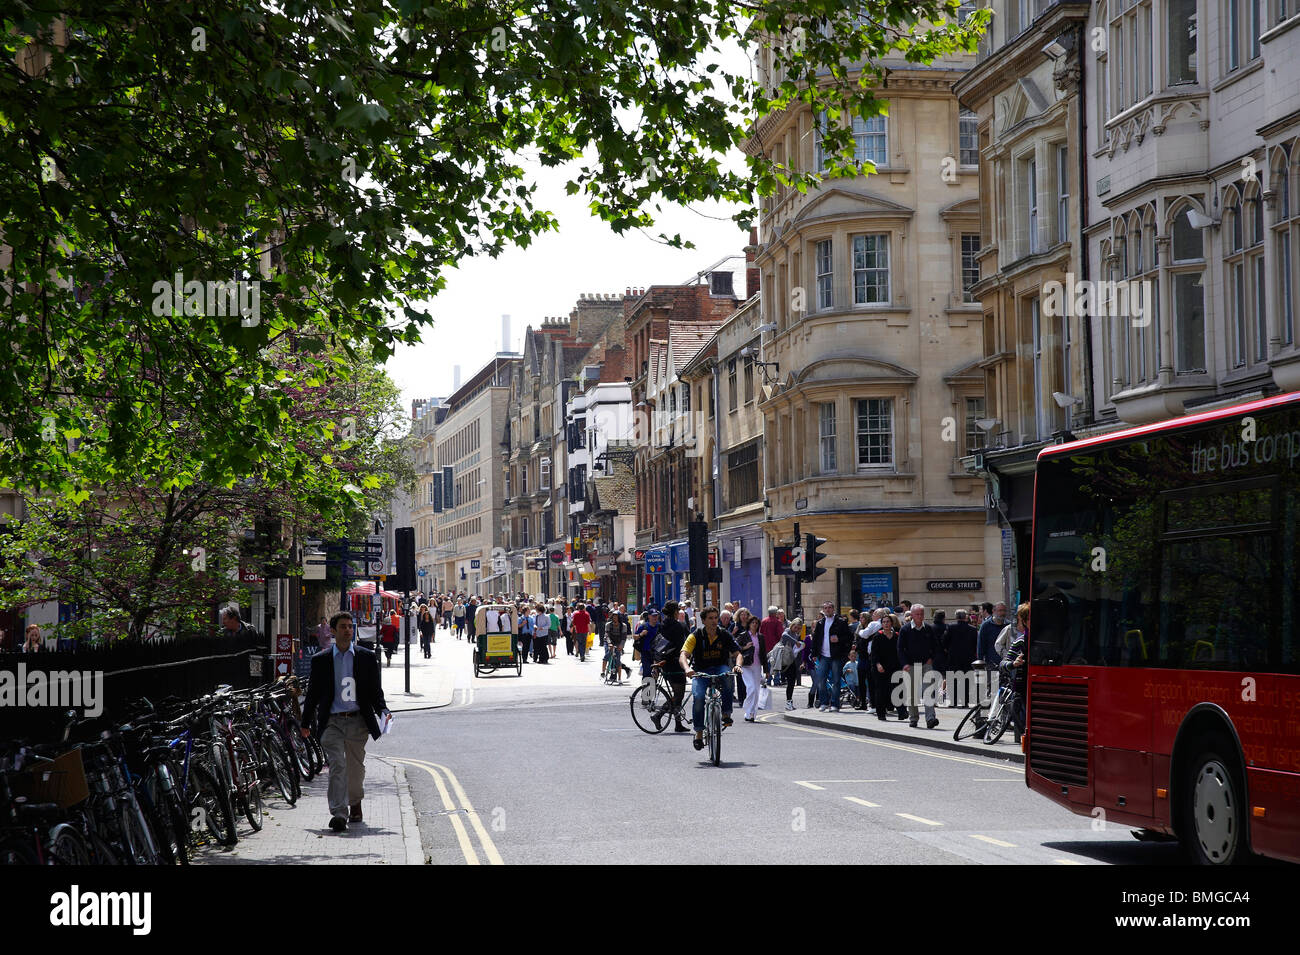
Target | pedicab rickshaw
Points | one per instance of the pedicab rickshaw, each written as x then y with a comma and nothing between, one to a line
496,636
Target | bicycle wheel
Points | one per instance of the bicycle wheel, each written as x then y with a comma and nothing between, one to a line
650,708
216,814
972,724
714,732
280,774
101,851
295,781
160,829
223,772
302,757
317,755
998,723
178,823
65,846
136,838
250,786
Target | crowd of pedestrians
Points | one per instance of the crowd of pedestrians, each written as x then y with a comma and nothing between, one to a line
882,659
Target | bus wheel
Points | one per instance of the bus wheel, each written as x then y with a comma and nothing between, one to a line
1214,806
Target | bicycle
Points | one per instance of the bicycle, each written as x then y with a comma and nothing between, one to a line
235,759
1001,710
713,711
652,703
612,667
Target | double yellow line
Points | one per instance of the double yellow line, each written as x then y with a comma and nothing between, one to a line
486,844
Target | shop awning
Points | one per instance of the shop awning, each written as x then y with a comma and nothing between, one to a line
367,587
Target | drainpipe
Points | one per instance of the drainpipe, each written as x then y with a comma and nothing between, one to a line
716,477
1089,405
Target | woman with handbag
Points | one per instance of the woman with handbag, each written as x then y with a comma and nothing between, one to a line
750,641
792,646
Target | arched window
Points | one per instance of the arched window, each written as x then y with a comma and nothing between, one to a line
1187,272
1150,320
1117,300
1234,276
1138,335
1112,341
1256,283
1286,236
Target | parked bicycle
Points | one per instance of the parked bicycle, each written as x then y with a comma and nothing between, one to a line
154,789
988,720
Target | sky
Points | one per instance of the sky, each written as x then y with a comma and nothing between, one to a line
546,279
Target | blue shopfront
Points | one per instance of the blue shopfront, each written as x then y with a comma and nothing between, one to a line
656,572
666,568
742,552
679,563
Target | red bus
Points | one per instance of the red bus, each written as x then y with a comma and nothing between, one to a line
1164,638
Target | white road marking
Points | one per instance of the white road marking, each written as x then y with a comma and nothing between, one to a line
807,785
863,802
908,815
1067,862
993,842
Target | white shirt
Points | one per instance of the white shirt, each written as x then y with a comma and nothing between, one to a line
826,636
872,628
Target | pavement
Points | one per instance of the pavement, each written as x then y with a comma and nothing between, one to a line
434,682
300,834
865,723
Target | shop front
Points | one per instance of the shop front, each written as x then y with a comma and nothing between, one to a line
656,577
679,562
742,553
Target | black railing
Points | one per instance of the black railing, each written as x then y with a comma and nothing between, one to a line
185,667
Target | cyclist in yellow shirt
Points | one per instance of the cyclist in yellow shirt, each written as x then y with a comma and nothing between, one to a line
710,651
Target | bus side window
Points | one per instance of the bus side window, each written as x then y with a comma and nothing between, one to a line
1133,641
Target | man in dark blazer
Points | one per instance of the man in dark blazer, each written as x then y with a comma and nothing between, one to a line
345,702
917,645
831,641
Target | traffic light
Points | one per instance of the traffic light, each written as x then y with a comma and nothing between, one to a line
405,542
698,548
813,557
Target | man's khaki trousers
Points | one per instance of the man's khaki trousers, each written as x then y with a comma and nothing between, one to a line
344,742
